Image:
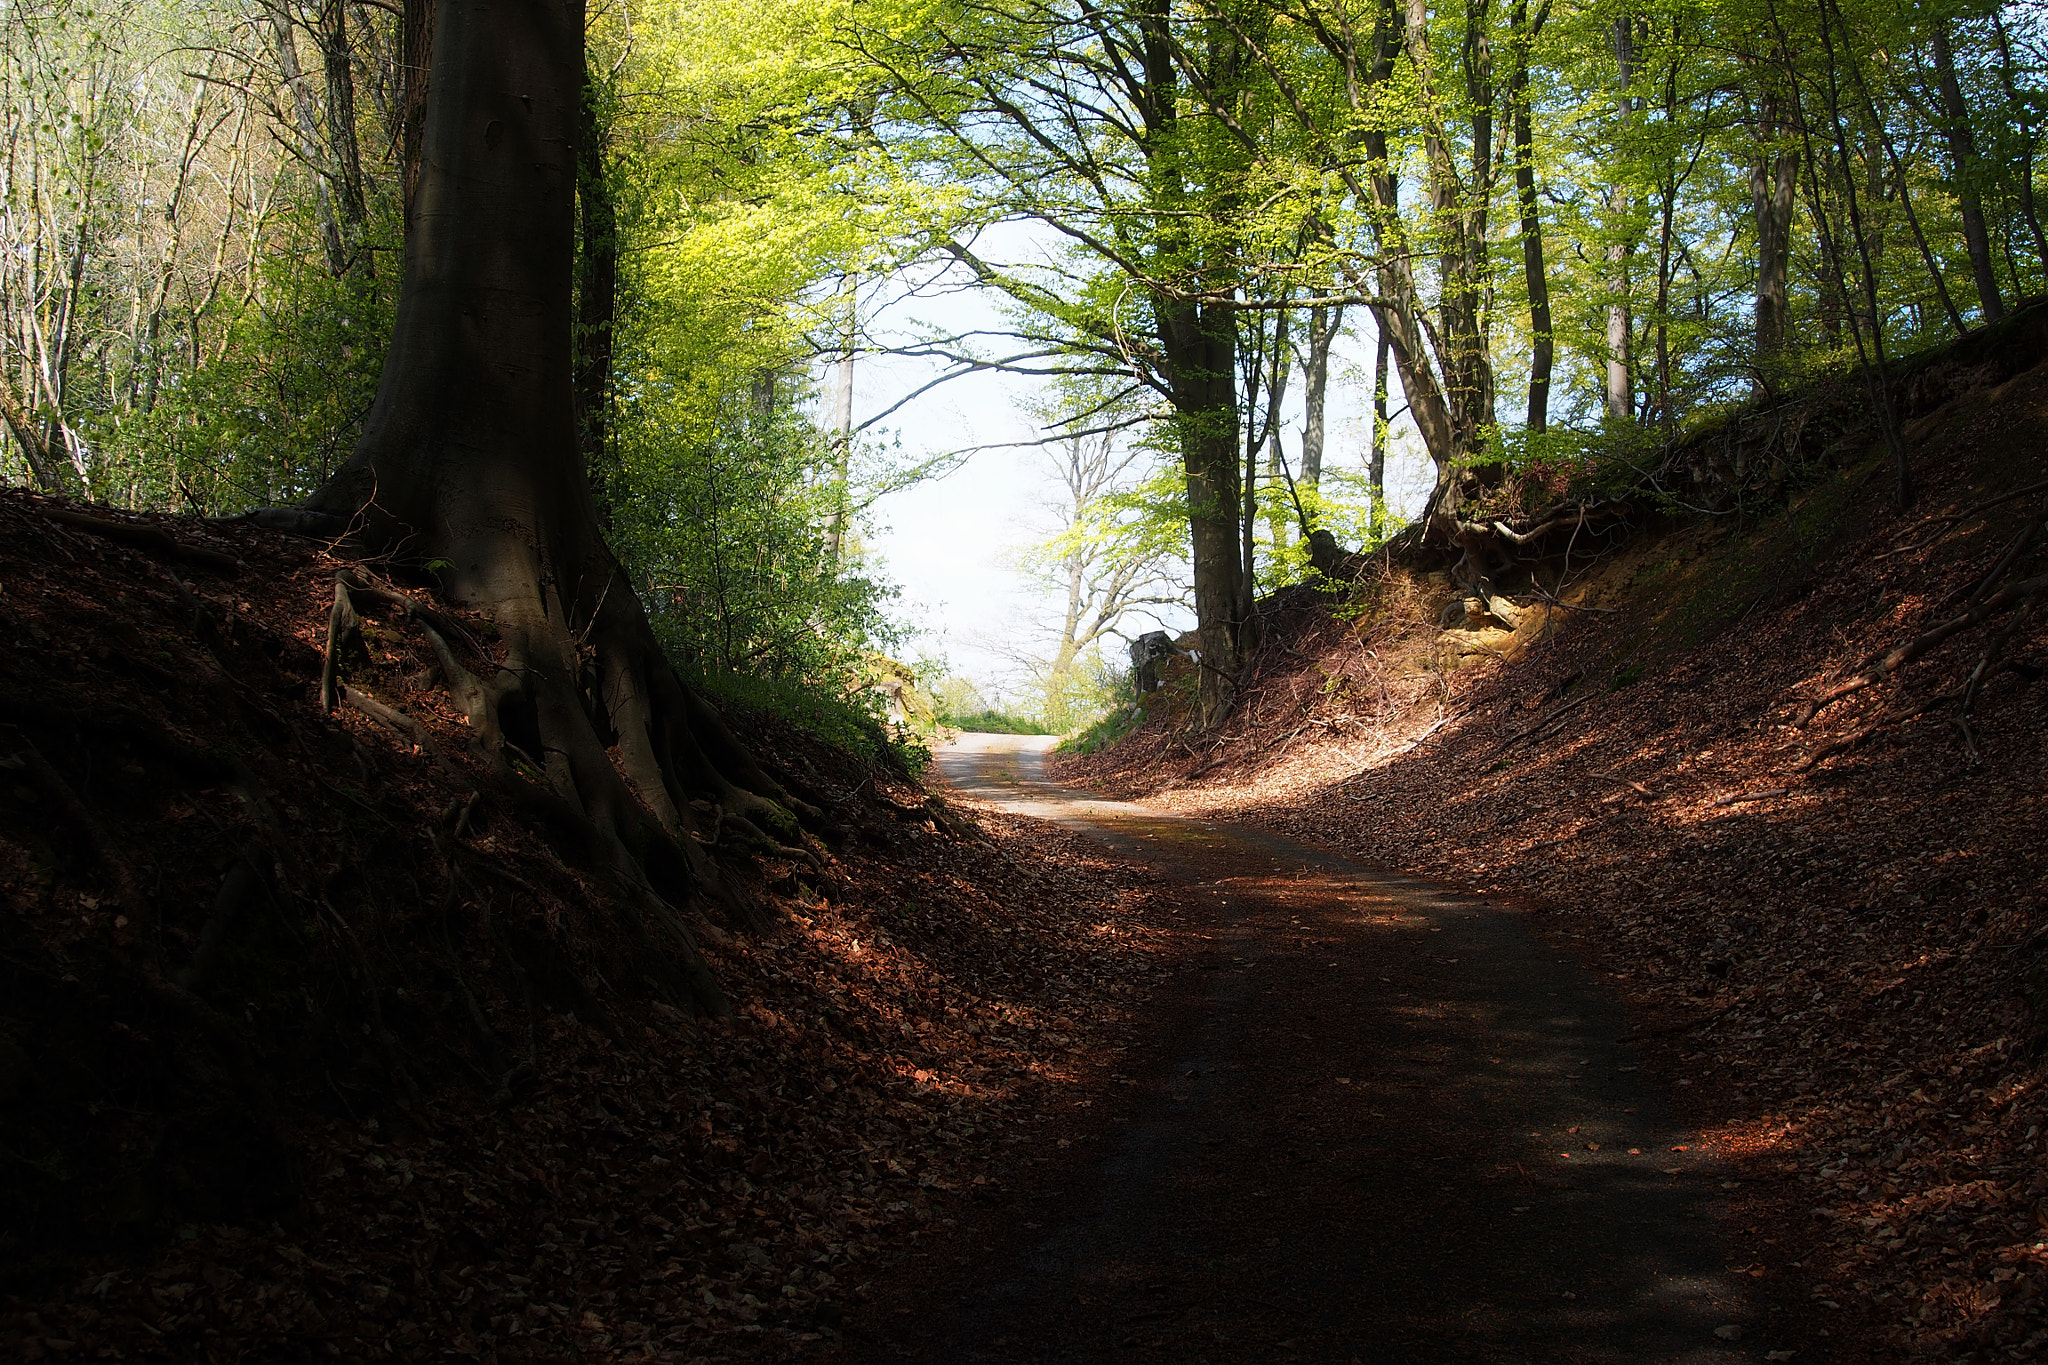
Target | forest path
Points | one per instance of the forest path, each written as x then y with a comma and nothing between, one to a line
1343,1139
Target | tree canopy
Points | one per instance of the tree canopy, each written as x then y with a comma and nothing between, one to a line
1575,231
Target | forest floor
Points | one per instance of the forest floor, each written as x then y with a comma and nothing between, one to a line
1832,939
305,1056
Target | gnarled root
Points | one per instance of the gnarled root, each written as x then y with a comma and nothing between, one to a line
1891,661
546,726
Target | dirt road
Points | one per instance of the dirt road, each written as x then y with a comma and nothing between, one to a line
1375,1122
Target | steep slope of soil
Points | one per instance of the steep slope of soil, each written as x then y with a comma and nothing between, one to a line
1835,937
305,1054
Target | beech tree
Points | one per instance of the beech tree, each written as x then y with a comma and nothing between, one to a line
469,470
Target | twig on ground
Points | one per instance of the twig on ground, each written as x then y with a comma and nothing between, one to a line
1739,798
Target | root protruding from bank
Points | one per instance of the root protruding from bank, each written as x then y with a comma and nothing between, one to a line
591,735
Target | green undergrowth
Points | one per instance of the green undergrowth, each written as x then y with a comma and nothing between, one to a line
996,723
1103,732
844,725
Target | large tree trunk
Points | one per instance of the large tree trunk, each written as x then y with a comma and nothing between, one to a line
415,62
1324,322
1200,343
1962,151
597,301
1621,396
468,469
1534,274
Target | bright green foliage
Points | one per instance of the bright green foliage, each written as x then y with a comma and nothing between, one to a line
739,197
725,530
986,722
1584,226
276,410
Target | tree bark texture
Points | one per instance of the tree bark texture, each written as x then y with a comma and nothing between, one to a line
469,468
415,68
1535,276
1199,343
1621,398
1324,322
1962,154
1773,179
597,306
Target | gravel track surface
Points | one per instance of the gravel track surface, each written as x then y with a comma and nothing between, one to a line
1371,1120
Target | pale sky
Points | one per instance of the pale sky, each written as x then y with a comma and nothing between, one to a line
944,542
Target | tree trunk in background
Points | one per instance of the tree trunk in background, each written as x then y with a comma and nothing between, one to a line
1324,322
1535,276
469,469
1621,399
1452,417
842,425
1772,182
597,294
2024,172
1260,435
35,451
1376,469
338,60
1667,205
306,122
1962,155
1870,344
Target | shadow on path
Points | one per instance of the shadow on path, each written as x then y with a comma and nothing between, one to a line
1365,1131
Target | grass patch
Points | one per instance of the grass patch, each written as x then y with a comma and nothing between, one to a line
1102,733
996,723
842,724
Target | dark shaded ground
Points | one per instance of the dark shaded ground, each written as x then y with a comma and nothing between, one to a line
1375,1122
422,1100
1839,929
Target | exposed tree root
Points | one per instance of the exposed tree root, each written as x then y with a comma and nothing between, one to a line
1900,655
126,888
2016,550
1899,715
542,755
147,538
1987,662
1951,520
1555,715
